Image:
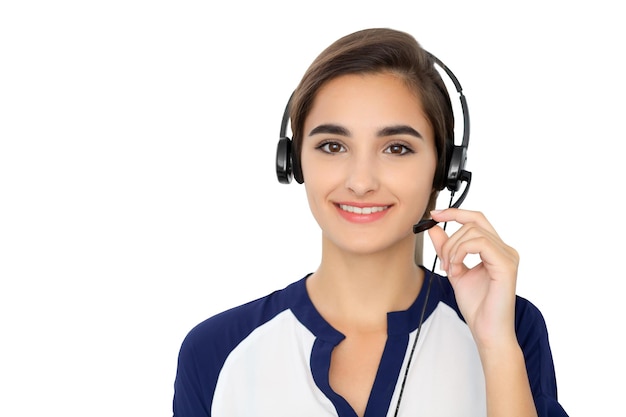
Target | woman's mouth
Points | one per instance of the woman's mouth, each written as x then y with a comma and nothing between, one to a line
362,214
362,210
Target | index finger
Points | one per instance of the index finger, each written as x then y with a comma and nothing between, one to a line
463,216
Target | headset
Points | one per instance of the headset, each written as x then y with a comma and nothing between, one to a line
456,155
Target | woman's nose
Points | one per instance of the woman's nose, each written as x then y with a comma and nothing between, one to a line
361,176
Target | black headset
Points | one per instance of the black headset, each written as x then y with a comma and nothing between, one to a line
455,160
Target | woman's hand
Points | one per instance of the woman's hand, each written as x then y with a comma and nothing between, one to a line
485,293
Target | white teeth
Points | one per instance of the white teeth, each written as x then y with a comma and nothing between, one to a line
364,210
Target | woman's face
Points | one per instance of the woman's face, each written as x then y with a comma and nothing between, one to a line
368,161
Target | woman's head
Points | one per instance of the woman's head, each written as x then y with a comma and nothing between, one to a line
369,158
372,51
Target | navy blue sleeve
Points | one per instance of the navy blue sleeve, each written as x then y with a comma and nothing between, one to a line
532,335
201,358
190,388
207,346
202,355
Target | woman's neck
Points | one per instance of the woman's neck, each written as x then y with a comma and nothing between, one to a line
356,291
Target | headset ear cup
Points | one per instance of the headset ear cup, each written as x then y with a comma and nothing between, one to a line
442,173
284,171
456,167
296,168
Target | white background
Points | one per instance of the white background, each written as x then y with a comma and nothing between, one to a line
138,194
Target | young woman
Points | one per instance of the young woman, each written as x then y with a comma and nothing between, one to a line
370,332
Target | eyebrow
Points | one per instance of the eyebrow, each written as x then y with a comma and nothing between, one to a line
330,129
333,129
399,130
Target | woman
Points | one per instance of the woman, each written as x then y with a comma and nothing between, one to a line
368,333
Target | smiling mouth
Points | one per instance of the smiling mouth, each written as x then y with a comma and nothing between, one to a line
362,210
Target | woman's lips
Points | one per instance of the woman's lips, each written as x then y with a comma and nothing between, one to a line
362,213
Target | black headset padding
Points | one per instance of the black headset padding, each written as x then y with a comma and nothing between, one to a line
284,155
283,161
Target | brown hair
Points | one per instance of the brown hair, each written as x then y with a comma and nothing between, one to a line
374,51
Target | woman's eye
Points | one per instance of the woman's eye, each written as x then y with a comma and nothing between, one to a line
331,147
398,149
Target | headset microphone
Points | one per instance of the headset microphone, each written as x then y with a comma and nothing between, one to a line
423,225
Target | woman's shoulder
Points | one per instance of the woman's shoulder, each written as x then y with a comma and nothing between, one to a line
530,324
235,323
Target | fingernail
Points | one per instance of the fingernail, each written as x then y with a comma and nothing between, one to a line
435,211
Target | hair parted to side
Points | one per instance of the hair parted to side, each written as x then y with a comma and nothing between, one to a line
371,51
